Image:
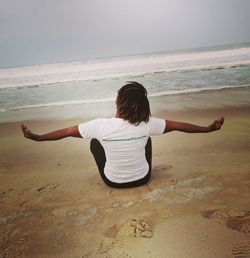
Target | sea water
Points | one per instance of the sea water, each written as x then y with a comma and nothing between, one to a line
89,87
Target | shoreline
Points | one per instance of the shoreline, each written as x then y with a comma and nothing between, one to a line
190,113
192,101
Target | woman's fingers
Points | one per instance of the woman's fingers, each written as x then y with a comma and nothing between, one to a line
222,119
219,122
25,130
23,127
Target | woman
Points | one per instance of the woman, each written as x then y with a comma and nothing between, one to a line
121,145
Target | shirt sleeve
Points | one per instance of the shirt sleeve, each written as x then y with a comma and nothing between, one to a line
156,126
90,129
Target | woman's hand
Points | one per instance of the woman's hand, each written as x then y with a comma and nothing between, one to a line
28,134
216,125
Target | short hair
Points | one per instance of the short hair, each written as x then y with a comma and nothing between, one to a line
132,103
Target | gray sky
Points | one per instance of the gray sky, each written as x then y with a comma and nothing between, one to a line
49,31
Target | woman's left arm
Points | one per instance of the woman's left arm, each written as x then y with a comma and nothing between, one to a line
52,136
191,128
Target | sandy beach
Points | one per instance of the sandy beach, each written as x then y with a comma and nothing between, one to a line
54,203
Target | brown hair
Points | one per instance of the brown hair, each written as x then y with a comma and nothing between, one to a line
132,103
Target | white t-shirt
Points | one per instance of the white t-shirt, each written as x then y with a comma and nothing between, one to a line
124,145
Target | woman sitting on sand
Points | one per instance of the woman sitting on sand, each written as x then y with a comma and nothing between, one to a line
121,145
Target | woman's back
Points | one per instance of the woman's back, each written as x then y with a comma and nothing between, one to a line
124,145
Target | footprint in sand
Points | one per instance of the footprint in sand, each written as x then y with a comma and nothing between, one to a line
162,168
135,227
132,227
224,214
33,198
112,249
242,249
161,213
12,244
234,218
108,244
48,188
7,193
240,224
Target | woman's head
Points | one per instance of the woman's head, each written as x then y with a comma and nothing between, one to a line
132,103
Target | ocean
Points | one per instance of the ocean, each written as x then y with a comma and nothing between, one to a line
89,87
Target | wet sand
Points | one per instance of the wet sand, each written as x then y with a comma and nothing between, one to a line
54,203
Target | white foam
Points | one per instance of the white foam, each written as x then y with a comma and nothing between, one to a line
121,67
63,103
177,92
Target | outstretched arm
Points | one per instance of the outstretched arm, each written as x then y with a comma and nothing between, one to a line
52,136
191,128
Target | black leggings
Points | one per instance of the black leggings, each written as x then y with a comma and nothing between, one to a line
100,159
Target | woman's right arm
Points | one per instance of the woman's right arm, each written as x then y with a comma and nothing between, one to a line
52,136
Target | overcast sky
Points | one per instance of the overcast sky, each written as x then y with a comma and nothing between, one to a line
49,31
